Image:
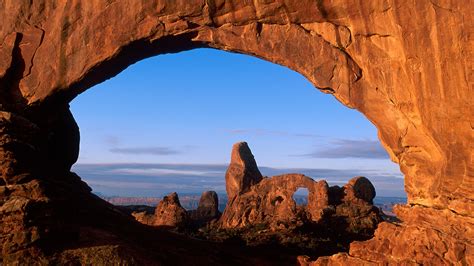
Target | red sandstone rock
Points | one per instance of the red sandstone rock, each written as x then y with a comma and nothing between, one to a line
426,234
270,202
144,218
242,172
405,65
209,204
208,209
359,188
170,213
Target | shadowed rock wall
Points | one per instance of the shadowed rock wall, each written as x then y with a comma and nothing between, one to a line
406,65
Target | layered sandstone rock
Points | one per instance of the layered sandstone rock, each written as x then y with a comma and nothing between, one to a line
405,65
170,213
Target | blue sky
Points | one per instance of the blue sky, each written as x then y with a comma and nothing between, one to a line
187,110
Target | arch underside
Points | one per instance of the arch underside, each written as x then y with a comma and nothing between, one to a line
399,65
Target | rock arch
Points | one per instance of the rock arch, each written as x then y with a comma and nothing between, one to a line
405,67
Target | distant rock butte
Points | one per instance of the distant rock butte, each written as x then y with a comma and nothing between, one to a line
407,66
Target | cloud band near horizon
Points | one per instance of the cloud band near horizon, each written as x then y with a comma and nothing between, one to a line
129,179
347,148
157,150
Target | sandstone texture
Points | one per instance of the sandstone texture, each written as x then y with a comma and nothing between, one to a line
144,217
242,172
270,202
170,213
359,189
265,214
407,66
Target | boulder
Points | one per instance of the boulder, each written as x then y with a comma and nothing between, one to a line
359,188
354,211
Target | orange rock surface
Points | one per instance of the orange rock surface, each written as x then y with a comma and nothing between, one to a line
407,66
269,201
170,213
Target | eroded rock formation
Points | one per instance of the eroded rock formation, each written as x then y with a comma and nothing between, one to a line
144,217
406,66
270,202
207,210
359,188
170,213
352,207
242,172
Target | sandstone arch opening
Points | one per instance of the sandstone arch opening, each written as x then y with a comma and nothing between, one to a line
151,125
130,179
366,54
301,196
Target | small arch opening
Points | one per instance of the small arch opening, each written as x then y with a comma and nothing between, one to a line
301,196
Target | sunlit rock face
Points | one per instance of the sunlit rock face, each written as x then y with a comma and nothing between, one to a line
242,172
169,212
269,201
406,66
